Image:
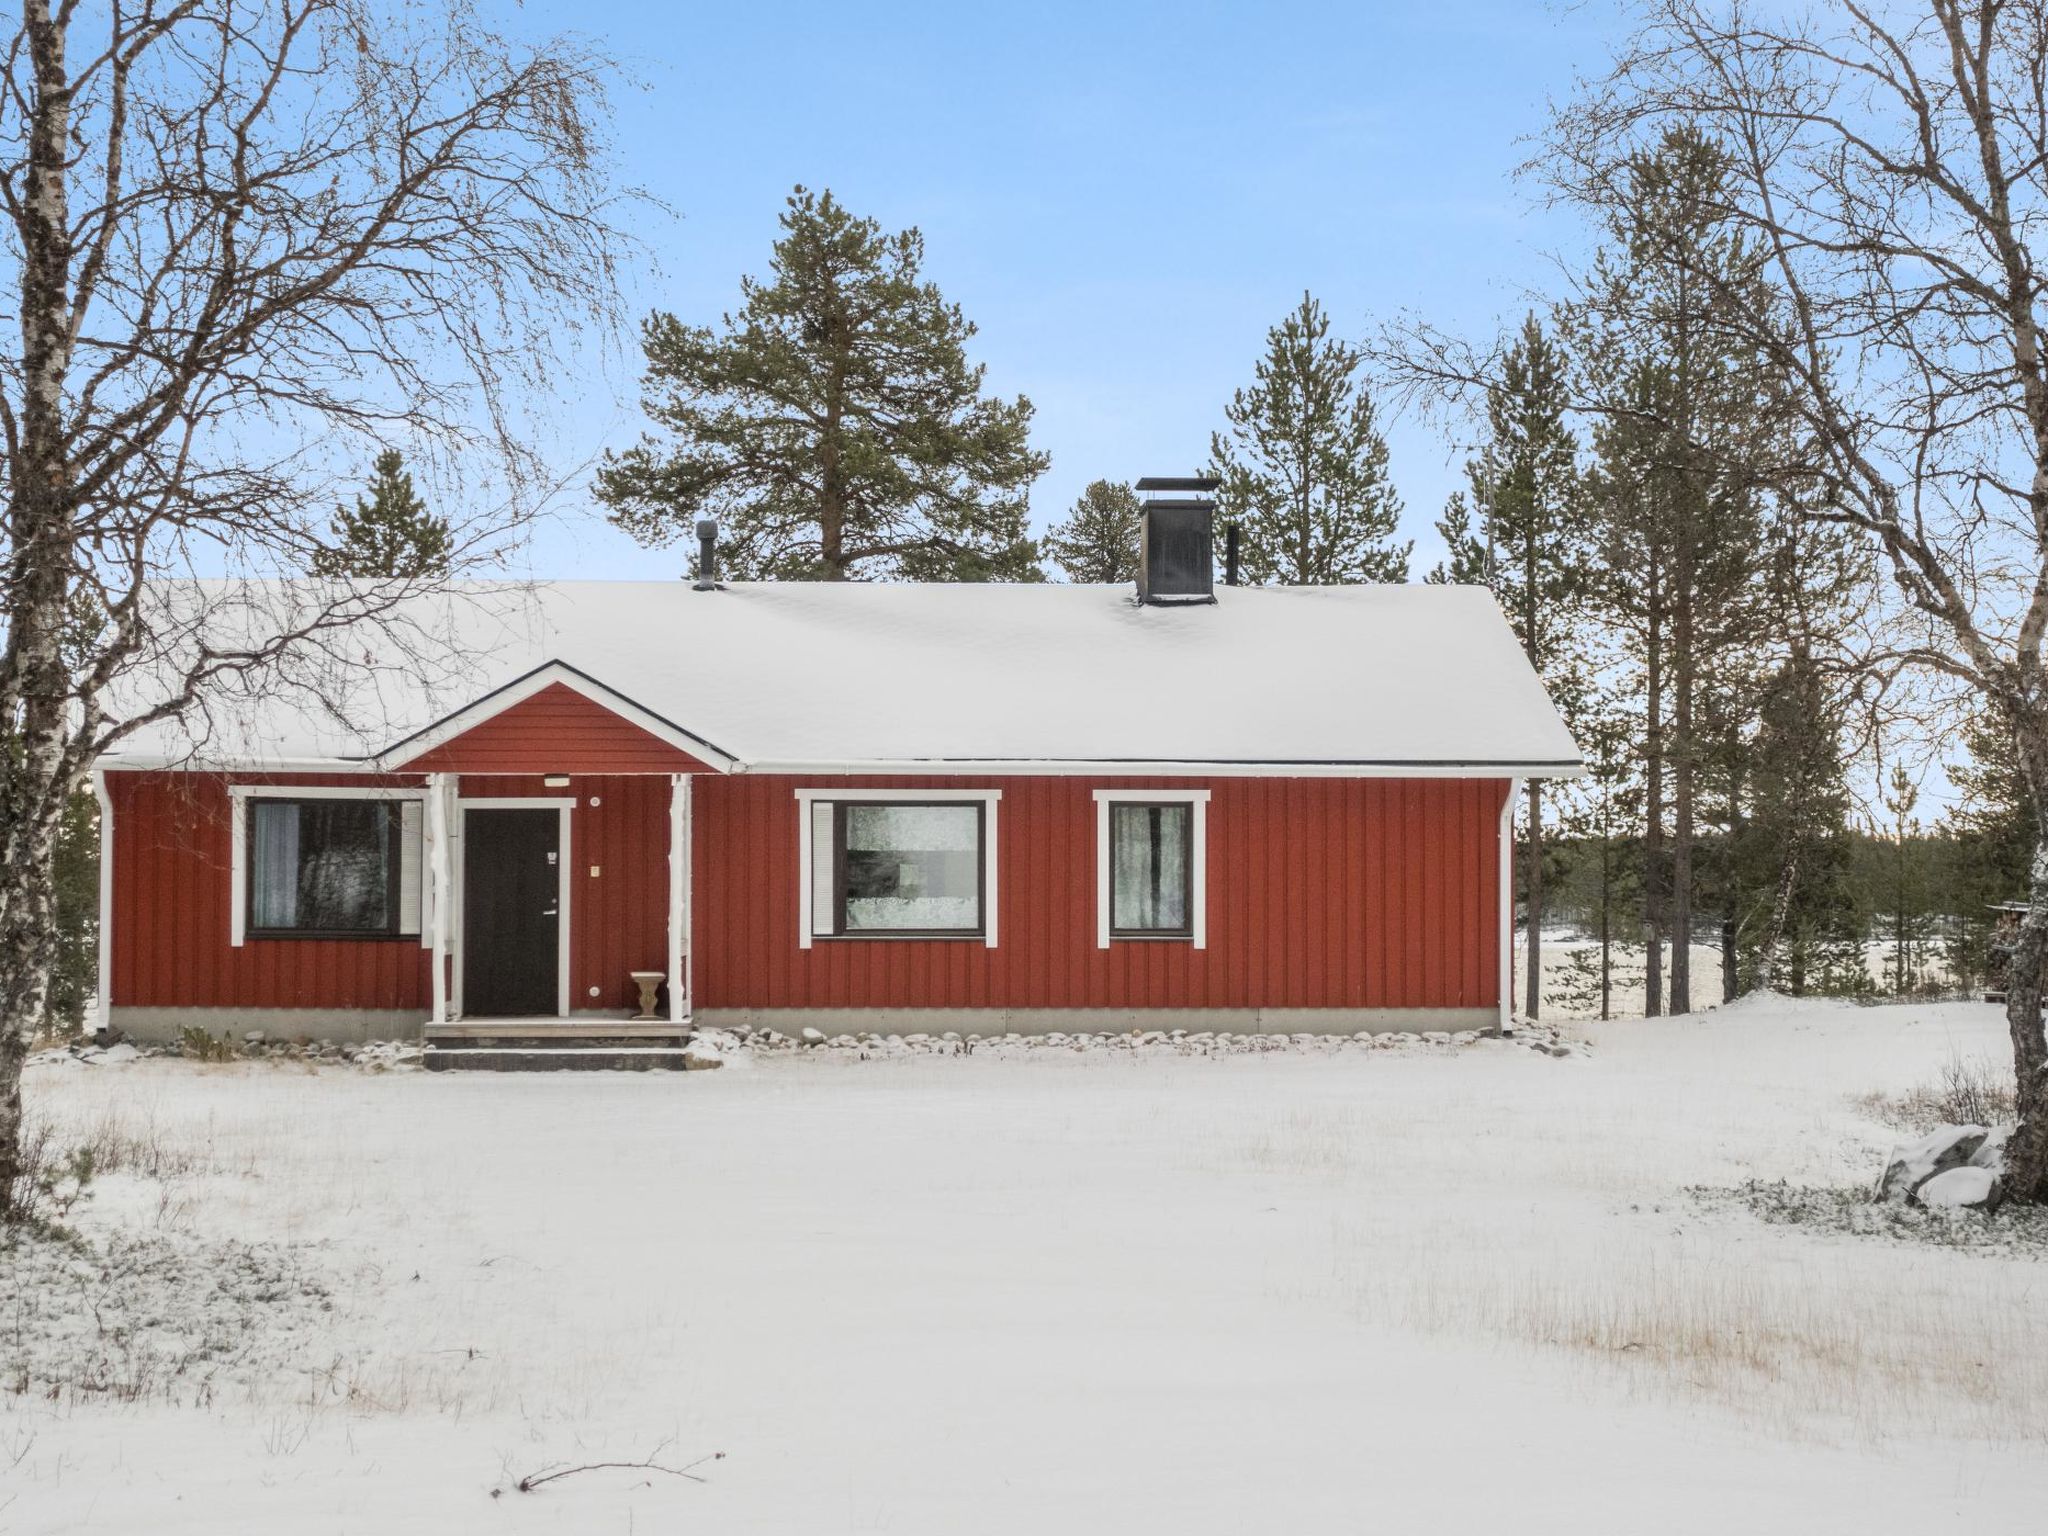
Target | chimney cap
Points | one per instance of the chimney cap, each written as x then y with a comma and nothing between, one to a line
1179,483
707,527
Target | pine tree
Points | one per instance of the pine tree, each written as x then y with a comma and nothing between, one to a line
75,972
1525,483
1304,467
1991,823
1690,423
1468,562
834,425
1792,846
1098,538
1598,814
391,535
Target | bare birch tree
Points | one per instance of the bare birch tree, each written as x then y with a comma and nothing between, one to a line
1892,162
244,234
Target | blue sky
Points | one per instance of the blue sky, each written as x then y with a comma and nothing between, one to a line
1123,197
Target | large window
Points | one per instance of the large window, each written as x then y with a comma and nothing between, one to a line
1150,865
1151,870
901,868
331,867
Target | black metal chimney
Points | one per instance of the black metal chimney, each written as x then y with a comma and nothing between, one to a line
707,555
1230,556
1176,540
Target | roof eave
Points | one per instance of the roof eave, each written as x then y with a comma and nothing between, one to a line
1067,767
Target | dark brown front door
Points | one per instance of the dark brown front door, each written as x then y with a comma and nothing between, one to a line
511,917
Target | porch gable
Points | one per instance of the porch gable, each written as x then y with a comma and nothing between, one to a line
554,721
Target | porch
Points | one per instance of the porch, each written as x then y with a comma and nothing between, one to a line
557,907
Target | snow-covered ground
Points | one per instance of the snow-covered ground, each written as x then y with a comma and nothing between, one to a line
1571,976
1343,1289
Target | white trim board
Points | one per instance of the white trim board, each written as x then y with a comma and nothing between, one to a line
1507,907
519,690
239,796
678,898
1198,876
1114,768
565,805
990,799
105,926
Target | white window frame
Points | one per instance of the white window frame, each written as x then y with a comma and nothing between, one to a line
989,799
239,796
1198,838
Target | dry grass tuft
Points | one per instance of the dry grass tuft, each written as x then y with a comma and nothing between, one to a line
1970,1090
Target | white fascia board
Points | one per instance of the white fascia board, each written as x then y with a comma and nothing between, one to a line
519,690
142,762
1119,768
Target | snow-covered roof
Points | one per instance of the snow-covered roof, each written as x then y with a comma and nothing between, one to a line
813,677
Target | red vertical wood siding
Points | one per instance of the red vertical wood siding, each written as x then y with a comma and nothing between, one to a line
558,730
1322,893
172,884
172,879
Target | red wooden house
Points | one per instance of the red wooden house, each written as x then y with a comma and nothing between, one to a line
853,806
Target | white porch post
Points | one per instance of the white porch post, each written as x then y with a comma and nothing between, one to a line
678,895
441,888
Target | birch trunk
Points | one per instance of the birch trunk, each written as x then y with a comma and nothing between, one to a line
41,769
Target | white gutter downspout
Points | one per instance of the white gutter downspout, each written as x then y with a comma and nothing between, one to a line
103,1004
1507,908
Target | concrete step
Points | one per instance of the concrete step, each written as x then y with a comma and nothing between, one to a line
553,1058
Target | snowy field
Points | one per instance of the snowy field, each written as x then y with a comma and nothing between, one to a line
1560,946
1345,1289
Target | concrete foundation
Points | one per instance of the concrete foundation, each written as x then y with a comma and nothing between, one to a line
1095,1021
359,1025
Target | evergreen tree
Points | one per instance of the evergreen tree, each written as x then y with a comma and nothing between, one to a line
1991,824
390,535
1599,812
1468,562
1691,426
1792,845
1098,538
1525,483
75,972
1304,467
834,426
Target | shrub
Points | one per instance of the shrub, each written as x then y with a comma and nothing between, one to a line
1970,1090
48,1181
200,1046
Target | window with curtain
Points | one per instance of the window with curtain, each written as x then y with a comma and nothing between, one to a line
334,867
896,868
1151,878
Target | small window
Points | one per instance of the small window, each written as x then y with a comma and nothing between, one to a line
334,868
1151,869
897,868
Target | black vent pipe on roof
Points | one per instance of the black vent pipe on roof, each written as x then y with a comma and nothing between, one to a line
707,555
1230,556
